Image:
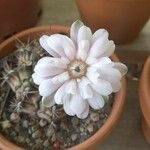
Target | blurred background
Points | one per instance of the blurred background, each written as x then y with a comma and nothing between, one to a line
18,15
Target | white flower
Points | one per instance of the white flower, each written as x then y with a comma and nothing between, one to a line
80,73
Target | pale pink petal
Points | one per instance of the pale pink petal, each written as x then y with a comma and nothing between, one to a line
70,52
61,97
43,43
60,94
85,89
116,85
103,62
61,78
47,70
102,87
121,67
48,66
55,62
74,30
113,76
83,48
84,114
84,33
65,60
37,79
98,34
92,74
110,74
66,105
46,88
97,101
78,105
71,87
91,60
61,44
101,46
109,49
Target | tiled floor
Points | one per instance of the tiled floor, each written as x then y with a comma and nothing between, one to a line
127,135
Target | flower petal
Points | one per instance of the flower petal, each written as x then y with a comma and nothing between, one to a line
70,52
121,67
83,48
102,87
48,101
66,105
98,48
85,89
97,101
43,43
71,87
60,94
78,105
91,60
46,88
113,76
55,62
61,78
37,79
102,47
109,49
98,34
84,33
65,60
48,66
110,74
62,45
116,85
92,74
103,62
74,30
84,114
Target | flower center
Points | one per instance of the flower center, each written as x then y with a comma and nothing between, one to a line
77,69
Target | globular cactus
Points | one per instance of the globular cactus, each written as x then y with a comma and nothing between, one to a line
17,71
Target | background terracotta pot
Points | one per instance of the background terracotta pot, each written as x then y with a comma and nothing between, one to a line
8,46
17,15
144,93
122,18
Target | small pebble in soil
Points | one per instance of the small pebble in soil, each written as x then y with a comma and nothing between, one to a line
42,122
94,117
5,124
36,134
90,128
46,143
14,117
74,137
75,121
50,132
25,124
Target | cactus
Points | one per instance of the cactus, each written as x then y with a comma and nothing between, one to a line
16,72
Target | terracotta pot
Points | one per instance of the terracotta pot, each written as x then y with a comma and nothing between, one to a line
8,46
17,15
122,18
144,93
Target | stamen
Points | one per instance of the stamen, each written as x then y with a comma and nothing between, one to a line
77,69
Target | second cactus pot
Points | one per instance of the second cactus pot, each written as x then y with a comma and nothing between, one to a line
122,18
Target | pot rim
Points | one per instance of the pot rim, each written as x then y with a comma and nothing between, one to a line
6,47
144,91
